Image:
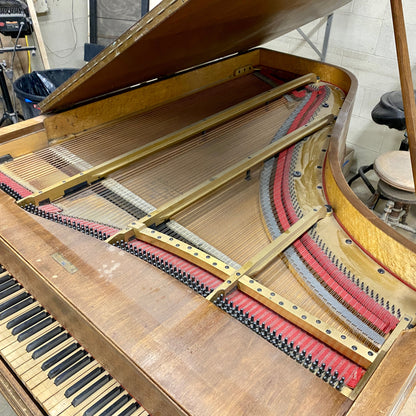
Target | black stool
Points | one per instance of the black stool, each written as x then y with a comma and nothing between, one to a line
393,168
389,112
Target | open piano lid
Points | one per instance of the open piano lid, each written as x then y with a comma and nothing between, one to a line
180,34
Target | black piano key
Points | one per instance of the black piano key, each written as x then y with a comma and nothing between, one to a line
7,284
13,301
72,370
29,322
19,319
59,356
7,292
13,309
35,328
99,404
6,278
91,390
66,364
83,382
116,405
127,412
44,338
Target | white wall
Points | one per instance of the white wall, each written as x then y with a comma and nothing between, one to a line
153,3
362,41
64,30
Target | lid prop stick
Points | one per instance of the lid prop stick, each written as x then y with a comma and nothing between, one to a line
405,78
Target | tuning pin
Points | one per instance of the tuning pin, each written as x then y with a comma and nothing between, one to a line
307,361
334,379
327,374
340,384
301,356
320,370
314,366
295,352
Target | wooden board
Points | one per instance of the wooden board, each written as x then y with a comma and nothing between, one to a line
17,131
172,349
146,97
395,377
38,34
179,34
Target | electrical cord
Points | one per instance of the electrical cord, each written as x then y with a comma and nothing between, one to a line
15,44
11,70
75,37
11,79
29,57
12,64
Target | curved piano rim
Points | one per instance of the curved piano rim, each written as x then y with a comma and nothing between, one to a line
385,245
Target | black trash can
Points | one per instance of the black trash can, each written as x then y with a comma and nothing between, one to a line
32,88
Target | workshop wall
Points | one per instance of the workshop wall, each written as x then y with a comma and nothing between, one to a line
115,17
362,41
64,30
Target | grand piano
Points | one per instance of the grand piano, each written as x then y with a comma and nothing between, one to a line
177,236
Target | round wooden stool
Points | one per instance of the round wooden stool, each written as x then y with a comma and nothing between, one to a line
396,185
395,169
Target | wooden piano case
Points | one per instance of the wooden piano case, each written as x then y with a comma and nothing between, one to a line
197,294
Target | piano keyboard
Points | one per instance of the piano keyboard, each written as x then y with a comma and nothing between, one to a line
60,374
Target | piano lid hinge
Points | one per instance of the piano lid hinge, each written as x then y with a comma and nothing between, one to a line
243,70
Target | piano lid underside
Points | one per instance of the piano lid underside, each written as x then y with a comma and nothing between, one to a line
236,221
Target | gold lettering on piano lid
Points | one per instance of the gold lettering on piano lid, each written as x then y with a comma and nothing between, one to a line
67,265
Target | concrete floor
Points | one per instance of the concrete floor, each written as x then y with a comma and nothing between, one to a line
5,409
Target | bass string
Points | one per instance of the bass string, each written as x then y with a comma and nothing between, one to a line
165,119
89,205
135,175
85,146
182,167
